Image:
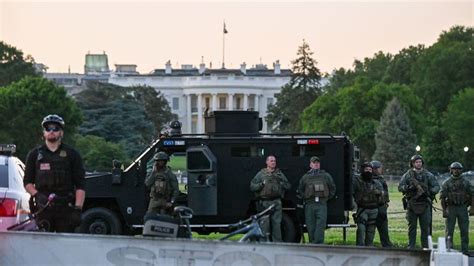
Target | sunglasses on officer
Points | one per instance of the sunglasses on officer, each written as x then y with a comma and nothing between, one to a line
52,129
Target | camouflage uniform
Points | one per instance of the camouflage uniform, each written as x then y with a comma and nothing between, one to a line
368,196
270,188
456,194
382,218
316,187
419,188
164,190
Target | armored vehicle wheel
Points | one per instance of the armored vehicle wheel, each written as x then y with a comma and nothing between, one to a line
289,232
100,221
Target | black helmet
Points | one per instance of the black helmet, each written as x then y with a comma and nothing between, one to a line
414,158
53,119
161,156
376,164
364,165
456,165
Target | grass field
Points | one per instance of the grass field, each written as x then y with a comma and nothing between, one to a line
398,227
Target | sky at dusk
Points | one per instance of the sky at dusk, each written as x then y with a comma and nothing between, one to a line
149,33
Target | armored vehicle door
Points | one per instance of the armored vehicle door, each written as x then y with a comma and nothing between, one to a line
202,180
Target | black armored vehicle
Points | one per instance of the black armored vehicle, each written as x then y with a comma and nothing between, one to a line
220,165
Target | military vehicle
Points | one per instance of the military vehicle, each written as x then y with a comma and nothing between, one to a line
220,165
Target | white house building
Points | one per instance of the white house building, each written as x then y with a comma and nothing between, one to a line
191,91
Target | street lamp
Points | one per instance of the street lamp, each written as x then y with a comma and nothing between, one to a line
418,148
466,149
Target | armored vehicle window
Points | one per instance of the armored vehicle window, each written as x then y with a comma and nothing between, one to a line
248,151
309,150
198,161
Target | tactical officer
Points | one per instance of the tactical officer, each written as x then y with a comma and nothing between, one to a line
456,194
55,167
163,185
368,194
382,218
316,187
269,185
419,188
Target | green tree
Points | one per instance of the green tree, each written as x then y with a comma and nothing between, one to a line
97,153
394,139
302,89
23,105
357,109
400,68
13,65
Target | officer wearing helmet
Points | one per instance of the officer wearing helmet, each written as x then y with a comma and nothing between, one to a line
382,218
419,188
456,195
369,196
55,167
163,185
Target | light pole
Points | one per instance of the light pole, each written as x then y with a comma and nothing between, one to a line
466,149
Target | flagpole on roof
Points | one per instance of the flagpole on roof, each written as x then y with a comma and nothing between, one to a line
224,32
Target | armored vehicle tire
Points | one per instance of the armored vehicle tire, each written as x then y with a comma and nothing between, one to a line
289,232
100,221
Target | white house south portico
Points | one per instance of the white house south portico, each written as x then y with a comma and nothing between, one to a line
192,92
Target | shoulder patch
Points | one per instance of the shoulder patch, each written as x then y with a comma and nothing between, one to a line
62,153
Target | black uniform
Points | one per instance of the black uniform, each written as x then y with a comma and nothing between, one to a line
62,173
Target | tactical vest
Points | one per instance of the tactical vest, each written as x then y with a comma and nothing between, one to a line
368,196
457,193
53,172
161,187
423,185
271,189
316,186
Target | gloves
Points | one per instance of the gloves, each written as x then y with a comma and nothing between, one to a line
40,200
76,216
169,205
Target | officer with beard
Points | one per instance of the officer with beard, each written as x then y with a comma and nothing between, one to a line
55,167
419,188
368,194
456,195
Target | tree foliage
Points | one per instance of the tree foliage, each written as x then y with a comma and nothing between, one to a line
97,153
132,116
13,65
394,139
302,89
23,105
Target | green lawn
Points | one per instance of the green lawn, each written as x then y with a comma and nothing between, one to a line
398,227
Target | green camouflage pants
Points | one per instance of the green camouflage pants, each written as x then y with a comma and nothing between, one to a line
412,220
382,227
316,219
365,220
460,214
275,219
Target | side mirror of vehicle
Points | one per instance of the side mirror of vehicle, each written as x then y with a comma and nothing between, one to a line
116,172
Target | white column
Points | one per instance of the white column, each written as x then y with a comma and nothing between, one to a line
256,103
214,102
231,102
246,101
188,113
199,120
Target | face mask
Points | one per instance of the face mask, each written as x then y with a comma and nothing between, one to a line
366,175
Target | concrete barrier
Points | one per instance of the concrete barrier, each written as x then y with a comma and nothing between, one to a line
26,248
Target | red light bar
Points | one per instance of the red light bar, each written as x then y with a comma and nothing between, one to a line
8,207
313,141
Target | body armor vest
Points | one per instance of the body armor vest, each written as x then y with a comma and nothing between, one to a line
457,193
271,189
53,172
161,187
368,196
316,186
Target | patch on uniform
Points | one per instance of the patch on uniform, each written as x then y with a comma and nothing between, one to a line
62,153
45,166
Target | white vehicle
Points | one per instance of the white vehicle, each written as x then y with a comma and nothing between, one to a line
14,200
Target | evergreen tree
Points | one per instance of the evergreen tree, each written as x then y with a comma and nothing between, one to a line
302,90
395,142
